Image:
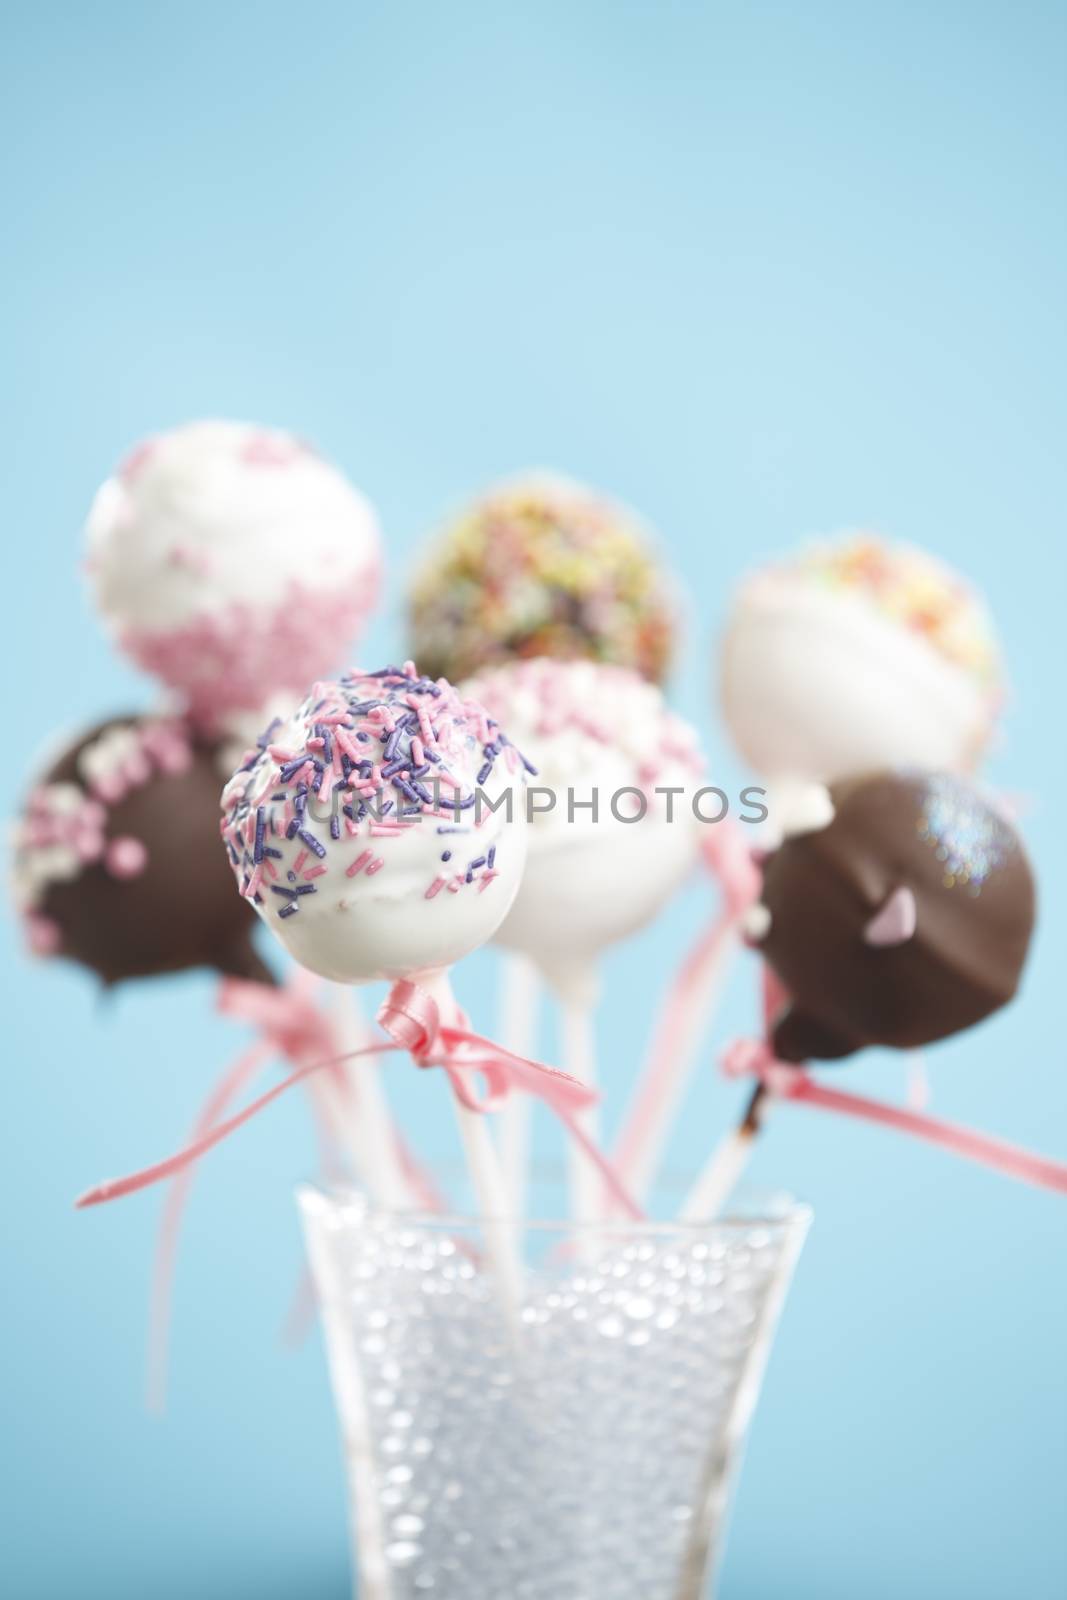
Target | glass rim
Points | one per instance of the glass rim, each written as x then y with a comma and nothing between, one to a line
794,1214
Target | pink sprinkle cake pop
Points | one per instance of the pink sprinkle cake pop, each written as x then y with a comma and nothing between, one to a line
604,732
232,562
380,831
116,862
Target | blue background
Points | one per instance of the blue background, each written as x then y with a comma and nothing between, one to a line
764,270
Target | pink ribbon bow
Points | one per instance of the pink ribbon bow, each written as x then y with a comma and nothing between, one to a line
412,1020
752,1058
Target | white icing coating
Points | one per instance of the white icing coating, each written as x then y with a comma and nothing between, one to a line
589,728
379,902
217,513
819,682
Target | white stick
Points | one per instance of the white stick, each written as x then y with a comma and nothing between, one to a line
579,1059
486,1175
680,1029
364,1119
719,1177
517,1030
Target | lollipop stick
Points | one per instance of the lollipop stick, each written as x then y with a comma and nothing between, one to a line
579,1059
726,1164
362,1114
517,1030
486,1174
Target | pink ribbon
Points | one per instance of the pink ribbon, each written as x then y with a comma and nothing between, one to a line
412,1020
727,856
749,1058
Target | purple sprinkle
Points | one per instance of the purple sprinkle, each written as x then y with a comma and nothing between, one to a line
291,876
335,827
289,910
446,855
286,894
304,888
269,850
393,767
261,828
491,857
485,771
312,843
291,830
474,865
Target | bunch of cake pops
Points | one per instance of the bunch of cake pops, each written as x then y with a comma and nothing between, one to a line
522,780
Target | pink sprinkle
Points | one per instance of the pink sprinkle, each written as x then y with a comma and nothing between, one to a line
351,828
455,885
269,868
42,935
486,879
418,754
125,857
375,866
316,744
314,872
435,888
254,882
136,459
358,864
409,670
277,753
382,830
299,862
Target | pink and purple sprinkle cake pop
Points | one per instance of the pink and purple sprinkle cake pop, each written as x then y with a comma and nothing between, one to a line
380,830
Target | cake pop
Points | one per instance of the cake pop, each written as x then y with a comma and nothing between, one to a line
606,851
599,737
541,566
857,655
231,562
116,858
377,832
907,918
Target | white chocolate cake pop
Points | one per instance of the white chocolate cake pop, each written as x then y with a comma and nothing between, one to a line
858,654
231,562
364,828
604,731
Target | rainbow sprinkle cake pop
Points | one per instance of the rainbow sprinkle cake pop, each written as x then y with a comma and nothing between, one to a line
541,566
380,831
232,562
605,732
855,655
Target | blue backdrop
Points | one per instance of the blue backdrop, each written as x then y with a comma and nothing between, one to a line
762,269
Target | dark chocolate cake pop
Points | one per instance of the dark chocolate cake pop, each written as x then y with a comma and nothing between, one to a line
905,919
117,862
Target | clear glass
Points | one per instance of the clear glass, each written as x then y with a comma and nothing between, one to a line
576,1444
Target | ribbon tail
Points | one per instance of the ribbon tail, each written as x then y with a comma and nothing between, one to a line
1009,1159
671,1051
232,1081
115,1188
609,1177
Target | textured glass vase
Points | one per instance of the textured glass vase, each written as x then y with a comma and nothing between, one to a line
577,1445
